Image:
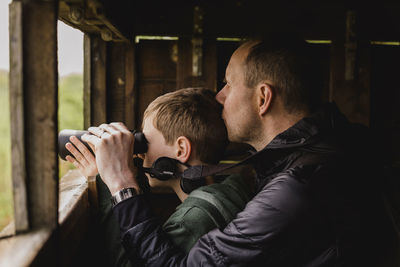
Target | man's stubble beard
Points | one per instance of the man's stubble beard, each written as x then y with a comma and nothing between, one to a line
247,133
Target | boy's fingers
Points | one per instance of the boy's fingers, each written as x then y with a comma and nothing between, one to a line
108,128
96,131
70,159
74,162
91,139
81,147
77,155
119,126
77,165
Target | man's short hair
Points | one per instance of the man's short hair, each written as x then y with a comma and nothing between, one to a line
286,61
195,114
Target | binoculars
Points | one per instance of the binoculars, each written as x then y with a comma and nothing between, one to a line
140,143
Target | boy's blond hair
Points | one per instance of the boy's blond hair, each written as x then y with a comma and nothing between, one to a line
195,114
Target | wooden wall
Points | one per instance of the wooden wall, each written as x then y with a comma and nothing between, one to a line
385,97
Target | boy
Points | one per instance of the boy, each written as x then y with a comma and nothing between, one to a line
185,125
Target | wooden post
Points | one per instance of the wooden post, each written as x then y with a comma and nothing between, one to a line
120,83
17,119
95,104
185,77
108,88
94,94
116,81
131,92
350,72
197,57
34,82
87,81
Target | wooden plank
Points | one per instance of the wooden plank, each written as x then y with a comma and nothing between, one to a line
157,59
23,249
385,95
210,63
87,81
184,65
93,199
95,93
40,83
224,52
72,186
156,72
98,91
312,19
74,217
130,90
185,77
350,71
115,82
17,119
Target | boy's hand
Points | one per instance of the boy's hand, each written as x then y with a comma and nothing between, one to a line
113,146
83,159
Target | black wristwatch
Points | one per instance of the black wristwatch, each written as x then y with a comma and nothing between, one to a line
124,194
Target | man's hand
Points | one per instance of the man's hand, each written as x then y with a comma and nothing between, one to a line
82,158
113,146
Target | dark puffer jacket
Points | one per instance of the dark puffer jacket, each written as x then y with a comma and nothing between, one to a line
318,204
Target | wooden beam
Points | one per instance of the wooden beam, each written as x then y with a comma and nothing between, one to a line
156,75
108,88
41,98
350,72
87,81
17,119
185,77
74,216
120,83
37,118
23,249
98,73
95,104
184,64
312,19
115,81
131,92
95,93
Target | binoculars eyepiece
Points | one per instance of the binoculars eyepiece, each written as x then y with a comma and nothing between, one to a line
140,143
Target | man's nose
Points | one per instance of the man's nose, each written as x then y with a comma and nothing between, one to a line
220,97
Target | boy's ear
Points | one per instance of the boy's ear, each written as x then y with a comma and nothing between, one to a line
265,95
183,149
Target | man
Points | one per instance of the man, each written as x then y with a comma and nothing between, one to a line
186,126
317,203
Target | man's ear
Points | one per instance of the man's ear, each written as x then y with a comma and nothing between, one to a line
183,149
265,95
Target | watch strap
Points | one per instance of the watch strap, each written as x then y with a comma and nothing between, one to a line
123,194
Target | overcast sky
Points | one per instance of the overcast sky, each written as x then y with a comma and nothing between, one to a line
70,45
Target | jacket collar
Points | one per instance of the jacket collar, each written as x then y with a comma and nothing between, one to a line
311,133
325,120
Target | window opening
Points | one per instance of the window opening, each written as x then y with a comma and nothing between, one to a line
70,84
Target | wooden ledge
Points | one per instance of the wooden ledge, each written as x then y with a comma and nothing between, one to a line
73,187
22,249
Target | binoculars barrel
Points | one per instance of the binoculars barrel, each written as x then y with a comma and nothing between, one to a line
140,144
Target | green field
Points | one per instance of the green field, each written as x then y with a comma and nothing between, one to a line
70,117
5,153
70,109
